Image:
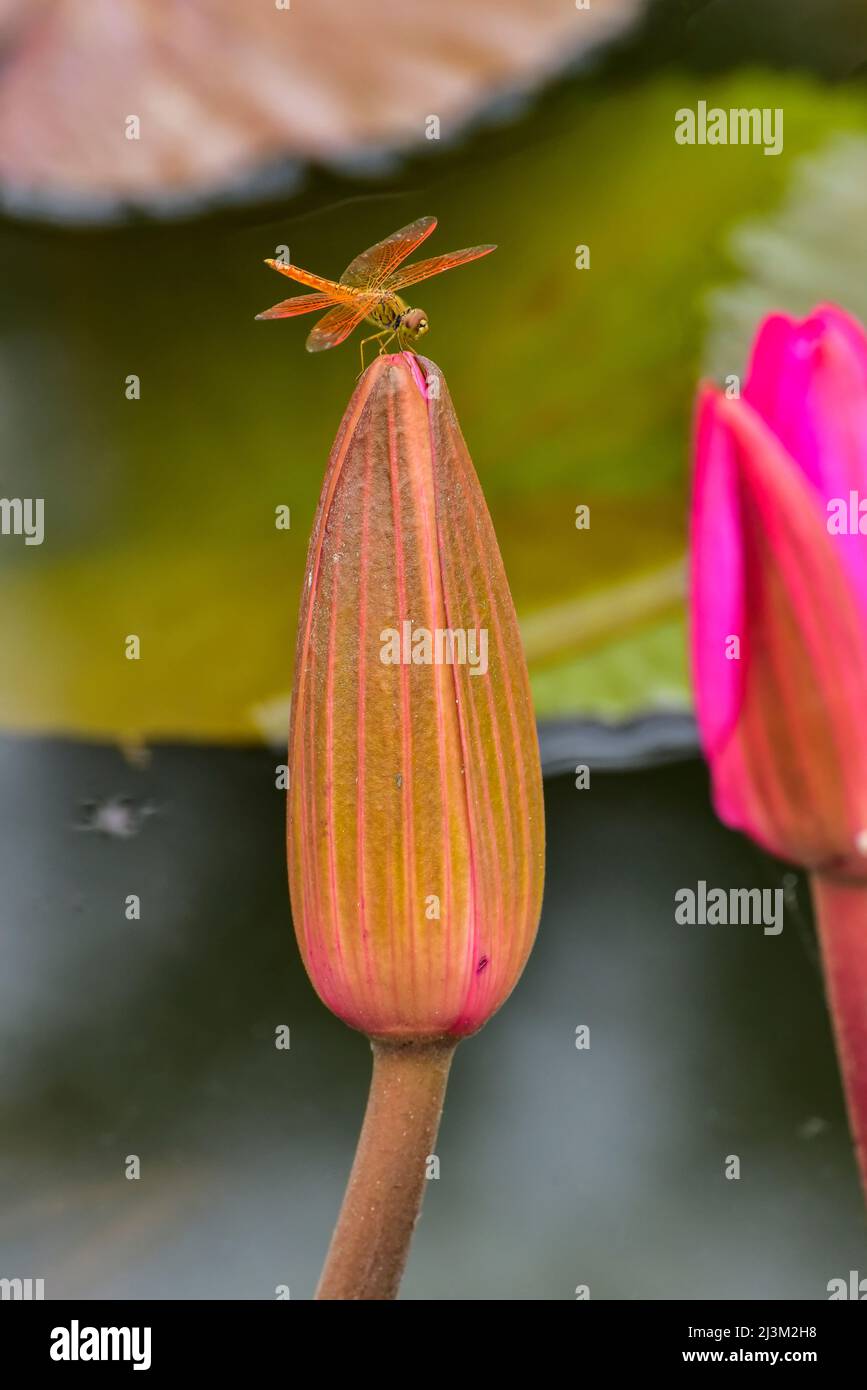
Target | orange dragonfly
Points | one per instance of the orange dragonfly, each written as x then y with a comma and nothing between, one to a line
368,290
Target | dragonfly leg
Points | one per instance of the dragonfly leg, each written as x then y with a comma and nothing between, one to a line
404,346
370,339
383,346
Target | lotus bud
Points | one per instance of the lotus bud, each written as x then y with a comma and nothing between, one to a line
415,820
779,596
779,632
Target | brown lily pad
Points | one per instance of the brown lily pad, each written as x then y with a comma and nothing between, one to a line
221,88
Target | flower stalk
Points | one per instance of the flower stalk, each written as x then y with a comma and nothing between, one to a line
383,1200
841,918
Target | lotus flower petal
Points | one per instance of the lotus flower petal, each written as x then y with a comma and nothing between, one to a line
783,729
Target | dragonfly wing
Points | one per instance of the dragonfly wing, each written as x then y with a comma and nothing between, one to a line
422,270
336,325
373,266
340,294
301,304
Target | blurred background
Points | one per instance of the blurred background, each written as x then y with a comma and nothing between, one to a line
266,125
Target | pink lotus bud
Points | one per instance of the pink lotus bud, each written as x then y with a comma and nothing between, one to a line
415,820
779,592
779,633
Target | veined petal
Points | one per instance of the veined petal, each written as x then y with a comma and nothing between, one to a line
808,381
716,574
415,827
793,772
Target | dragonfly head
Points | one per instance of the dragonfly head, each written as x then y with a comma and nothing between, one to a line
415,323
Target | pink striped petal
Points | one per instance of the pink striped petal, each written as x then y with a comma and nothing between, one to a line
808,381
716,575
793,772
415,824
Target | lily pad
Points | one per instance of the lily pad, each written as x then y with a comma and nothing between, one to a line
158,104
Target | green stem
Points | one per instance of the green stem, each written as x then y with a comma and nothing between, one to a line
371,1240
841,912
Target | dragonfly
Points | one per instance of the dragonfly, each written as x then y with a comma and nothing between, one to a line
367,291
